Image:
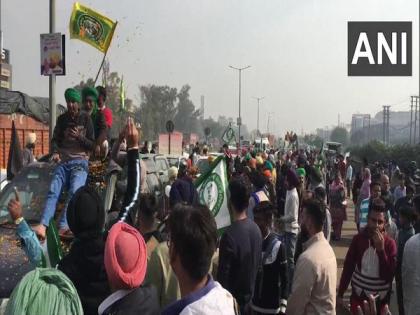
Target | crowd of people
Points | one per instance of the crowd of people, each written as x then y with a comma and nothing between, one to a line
275,257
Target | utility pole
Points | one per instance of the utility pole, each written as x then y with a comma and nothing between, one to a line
387,125
268,121
418,112
385,129
239,121
411,118
383,123
258,111
1,35
53,108
415,122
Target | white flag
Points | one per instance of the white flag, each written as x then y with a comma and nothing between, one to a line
212,190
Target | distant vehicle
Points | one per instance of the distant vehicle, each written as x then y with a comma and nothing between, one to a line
262,144
175,160
246,143
157,163
333,147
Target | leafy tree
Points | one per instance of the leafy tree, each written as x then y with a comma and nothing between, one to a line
157,106
313,140
186,114
340,134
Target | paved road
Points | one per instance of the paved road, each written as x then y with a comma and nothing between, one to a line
340,249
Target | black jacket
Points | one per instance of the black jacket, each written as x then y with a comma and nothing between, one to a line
239,259
271,285
142,300
84,265
70,147
99,124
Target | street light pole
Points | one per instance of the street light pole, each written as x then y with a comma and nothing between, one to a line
268,121
258,111
53,108
239,118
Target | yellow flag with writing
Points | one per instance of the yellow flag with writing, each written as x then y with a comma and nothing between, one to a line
91,27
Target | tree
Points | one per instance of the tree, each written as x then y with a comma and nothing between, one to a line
157,106
186,115
340,134
313,140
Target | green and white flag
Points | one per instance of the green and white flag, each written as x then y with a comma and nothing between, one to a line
229,135
212,188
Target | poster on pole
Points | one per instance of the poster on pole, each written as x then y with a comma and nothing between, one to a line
53,54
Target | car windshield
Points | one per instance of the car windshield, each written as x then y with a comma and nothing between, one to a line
32,185
161,164
173,161
150,165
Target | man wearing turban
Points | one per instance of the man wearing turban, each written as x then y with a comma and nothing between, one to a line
90,103
72,141
44,291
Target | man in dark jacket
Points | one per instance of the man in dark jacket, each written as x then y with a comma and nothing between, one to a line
240,248
72,142
271,285
183,189
84,264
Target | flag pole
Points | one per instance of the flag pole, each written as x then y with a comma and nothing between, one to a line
100,68
106,52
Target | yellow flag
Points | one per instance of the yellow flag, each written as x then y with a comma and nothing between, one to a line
91,27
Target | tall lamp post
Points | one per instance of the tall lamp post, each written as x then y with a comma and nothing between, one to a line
258,111
239,118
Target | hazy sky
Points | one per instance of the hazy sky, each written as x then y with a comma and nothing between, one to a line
297,50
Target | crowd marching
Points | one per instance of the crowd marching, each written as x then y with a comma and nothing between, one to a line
286,207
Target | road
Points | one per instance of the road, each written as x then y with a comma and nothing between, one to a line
340,249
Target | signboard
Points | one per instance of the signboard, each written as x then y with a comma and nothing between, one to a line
5,76
5,84
6,70
170,126
5,56
379,49
176,143
52,54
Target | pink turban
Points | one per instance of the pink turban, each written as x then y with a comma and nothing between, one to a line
125,257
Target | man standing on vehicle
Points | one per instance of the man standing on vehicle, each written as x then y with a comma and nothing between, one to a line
72,142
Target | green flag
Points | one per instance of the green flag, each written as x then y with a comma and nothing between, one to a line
52,252
212,188
229,135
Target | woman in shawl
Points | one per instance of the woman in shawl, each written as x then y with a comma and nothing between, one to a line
337,206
